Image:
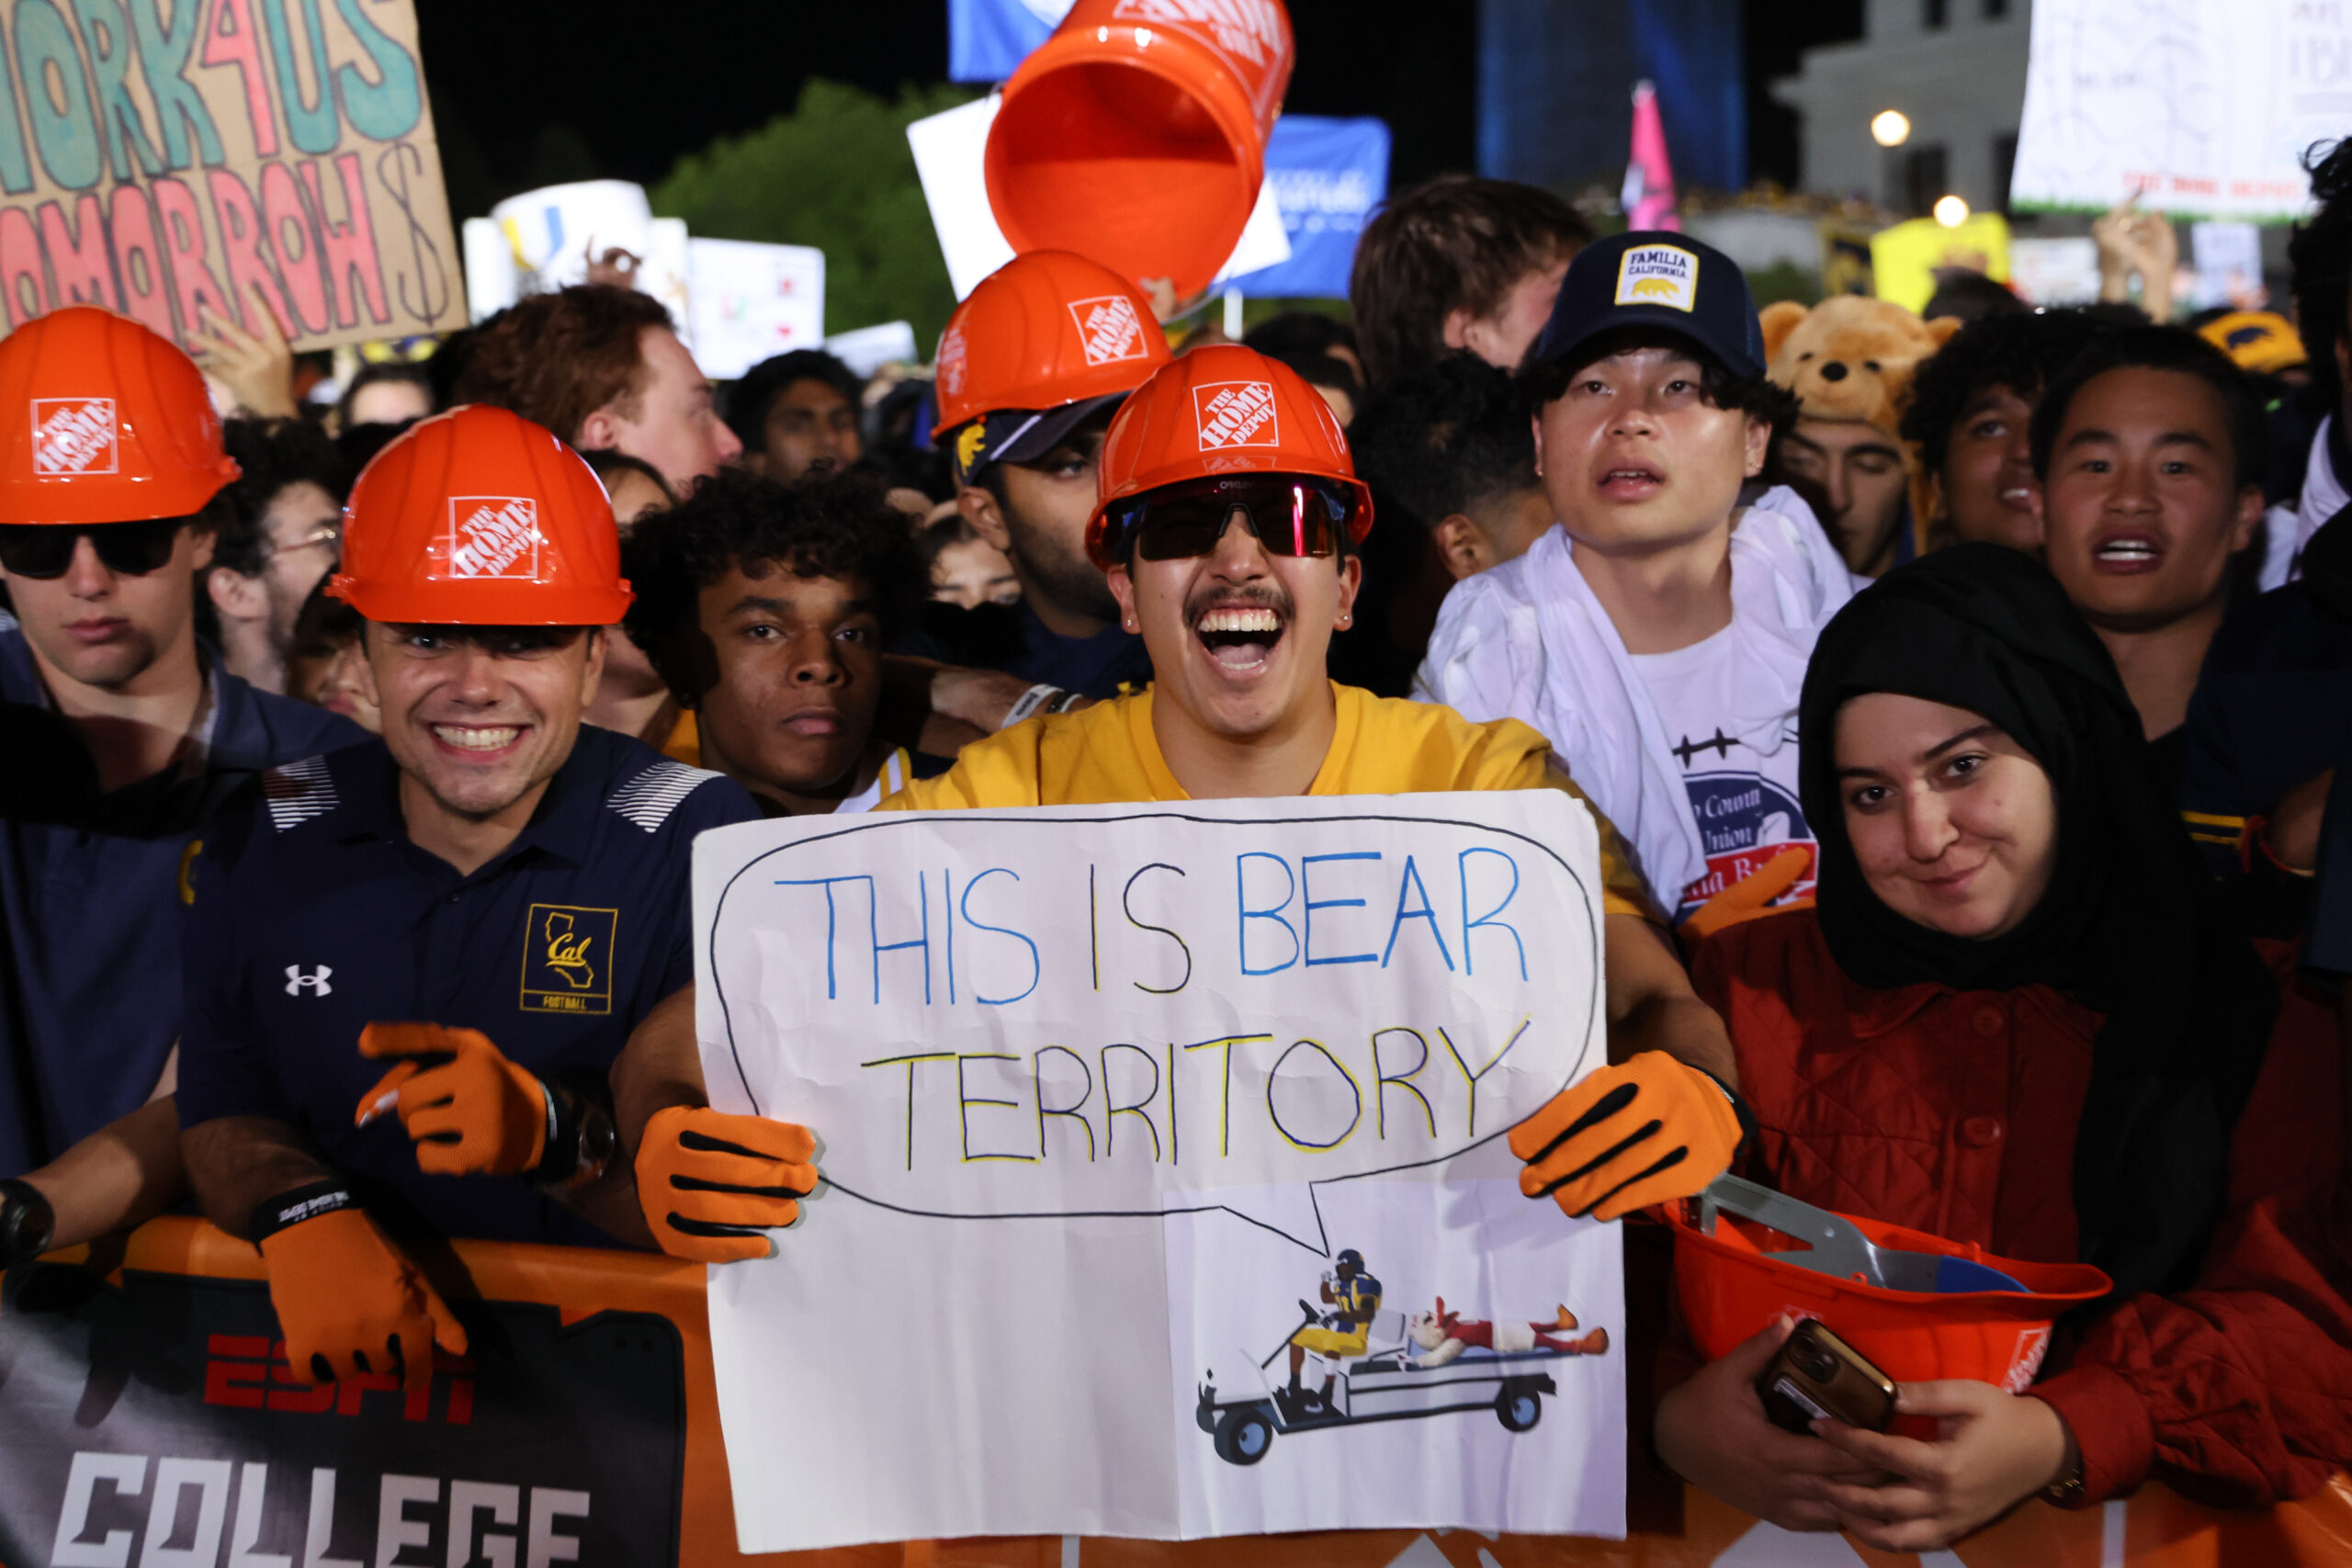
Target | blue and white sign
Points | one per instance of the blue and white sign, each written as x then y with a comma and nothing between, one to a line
1327,177
985,38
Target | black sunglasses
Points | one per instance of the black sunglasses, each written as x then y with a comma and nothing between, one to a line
1290,515
45,550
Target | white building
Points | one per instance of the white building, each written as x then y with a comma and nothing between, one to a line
1955,68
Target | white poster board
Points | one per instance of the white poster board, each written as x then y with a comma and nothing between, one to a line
542,240
951,160
1102,1093
2054,271
2203,107
2228,262
751,301
554,232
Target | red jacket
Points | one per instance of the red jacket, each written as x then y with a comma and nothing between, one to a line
1954,1113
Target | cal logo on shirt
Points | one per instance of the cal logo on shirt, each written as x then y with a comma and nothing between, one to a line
493,536
1658,275
568,959
73,435
1237,413
1108,328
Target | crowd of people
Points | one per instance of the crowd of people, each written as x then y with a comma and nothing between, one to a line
1960,701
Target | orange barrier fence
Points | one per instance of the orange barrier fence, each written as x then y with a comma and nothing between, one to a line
147,1415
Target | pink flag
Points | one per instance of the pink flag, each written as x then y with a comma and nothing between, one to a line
1648,196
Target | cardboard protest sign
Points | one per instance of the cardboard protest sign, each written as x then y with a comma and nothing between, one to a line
1125,1112
2202,107
165,158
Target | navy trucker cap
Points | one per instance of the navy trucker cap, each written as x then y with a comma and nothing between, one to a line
1655,278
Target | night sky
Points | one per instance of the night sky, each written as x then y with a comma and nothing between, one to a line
529,92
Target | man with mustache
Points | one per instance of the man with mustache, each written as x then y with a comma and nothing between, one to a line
1229,519
484,901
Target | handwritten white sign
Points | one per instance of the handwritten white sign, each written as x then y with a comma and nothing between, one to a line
2203,107
1107,1097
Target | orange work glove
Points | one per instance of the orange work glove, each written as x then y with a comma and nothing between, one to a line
1641,1133
472,1113
1751,896
347,1297
710,1184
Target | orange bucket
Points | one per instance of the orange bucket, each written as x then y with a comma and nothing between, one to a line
1732,1285
1136,135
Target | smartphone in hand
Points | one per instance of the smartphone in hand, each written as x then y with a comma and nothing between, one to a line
1818,1374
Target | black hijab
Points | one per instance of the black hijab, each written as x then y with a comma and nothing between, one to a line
2131,926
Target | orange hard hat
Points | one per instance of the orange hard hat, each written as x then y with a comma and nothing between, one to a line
477,517
1220,411
1046,331
102,421
1732,1285
1137,133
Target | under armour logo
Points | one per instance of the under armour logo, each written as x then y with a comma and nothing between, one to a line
315,982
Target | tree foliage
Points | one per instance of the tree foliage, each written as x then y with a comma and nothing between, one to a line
836,173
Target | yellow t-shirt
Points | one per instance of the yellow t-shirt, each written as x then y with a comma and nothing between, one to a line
1107,753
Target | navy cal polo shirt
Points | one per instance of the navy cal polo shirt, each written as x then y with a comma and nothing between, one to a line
90,897
315,916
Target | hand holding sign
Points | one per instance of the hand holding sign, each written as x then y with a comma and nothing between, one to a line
1048,1012
1090,1081
710,1184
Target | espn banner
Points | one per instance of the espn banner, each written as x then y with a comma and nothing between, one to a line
147,1418
170,158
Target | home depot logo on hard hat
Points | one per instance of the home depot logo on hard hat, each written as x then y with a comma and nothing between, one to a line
1109,328
2026,1359
73,435
950,369
1237,413
1249,28
493,536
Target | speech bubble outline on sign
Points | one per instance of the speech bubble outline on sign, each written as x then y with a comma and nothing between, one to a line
1137,1010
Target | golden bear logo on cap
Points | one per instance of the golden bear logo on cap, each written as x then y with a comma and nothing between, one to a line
73,435
1237,413
1658,275
493,536
1108,328
969,441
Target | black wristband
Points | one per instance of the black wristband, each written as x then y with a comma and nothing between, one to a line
1738,1109
581,1137
296,1205
26,1223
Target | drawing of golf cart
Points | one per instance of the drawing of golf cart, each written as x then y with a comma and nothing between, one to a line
1381,1385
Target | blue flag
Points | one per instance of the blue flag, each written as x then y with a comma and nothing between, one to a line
985,38
1328,176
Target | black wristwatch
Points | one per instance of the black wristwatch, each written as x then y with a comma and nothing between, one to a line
580,1139
26,1223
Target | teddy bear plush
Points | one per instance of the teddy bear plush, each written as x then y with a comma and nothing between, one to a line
1853,357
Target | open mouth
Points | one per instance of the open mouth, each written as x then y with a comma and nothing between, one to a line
1630,481
1239,638
2017,498
2127,552
477,739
